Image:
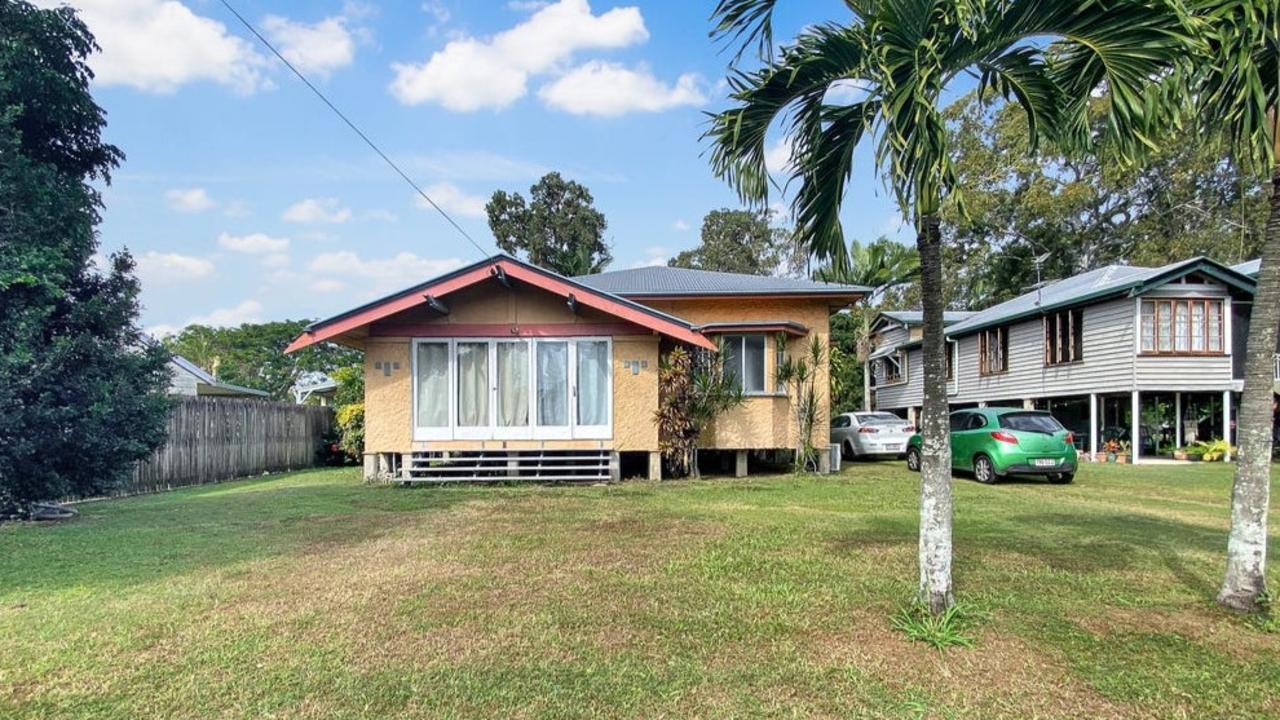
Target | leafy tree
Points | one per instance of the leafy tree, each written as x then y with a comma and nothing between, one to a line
82,393
902,56
1079,213
1238,86
881,264
558,228
738,241
252,355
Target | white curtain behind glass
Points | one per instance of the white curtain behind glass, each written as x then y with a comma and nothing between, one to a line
513,384
473,384
553,383
433,385
593,379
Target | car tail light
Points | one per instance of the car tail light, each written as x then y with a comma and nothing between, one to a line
909,429
1005,437
870,430
1070,438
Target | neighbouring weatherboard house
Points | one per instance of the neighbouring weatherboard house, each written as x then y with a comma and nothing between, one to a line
1116,353
187,378
505,370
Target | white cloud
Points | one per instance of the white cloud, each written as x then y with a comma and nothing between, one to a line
253,243
777,157
476,165
453,200
680,225
315,49
655,256
610,89
328,285
381,275
317,210
844,92
164,268
249,311
275,260
189,200
159,45
471,74
382,215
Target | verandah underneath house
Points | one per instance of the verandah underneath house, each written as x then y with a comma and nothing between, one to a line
503,369
1118,353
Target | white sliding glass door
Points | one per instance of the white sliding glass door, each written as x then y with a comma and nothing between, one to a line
504,389
593,381
553,389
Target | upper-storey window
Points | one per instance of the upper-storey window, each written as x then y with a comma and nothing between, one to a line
895,367
952,349
744,361
993,351
1177,326
1064,337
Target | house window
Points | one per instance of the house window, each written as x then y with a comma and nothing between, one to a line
779,359
744,361
951,360
1182,327
993,351
895,367
512,389
1064,337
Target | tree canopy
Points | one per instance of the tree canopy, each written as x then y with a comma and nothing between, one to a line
82,390
557,228
252,355
740,241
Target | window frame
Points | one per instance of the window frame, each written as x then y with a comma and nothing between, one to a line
493,431
904,368
741,340
1002,339
1213,314
1063,325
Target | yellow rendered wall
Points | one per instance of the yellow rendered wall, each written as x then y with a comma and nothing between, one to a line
764,421
389,399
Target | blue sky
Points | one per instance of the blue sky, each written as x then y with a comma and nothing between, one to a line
245,199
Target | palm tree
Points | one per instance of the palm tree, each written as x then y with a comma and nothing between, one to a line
879,265
897,59
1238,90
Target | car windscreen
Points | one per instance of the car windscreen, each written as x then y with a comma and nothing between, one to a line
1030,422
879,419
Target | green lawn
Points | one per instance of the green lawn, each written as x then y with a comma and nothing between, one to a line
312,595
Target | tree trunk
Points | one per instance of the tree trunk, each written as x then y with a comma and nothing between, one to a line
1250,494
935,429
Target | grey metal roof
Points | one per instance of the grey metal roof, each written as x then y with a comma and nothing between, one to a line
1250,267
916,317
1095,284
662,280
220,388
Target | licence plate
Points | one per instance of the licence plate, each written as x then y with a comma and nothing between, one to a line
1045,462
893,448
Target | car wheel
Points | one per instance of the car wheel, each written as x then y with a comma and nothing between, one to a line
984,470
1062,478
847,449
913,460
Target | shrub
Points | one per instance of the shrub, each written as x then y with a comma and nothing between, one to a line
350,419
939,631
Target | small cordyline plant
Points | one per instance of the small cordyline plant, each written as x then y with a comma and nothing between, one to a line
693,390
800,376
948,629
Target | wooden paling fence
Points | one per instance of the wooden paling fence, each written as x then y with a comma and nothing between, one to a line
219,438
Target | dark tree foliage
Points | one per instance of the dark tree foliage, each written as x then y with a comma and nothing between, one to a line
558,228
82,392
739,241
252,355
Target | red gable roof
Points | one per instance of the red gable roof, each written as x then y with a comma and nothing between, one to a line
512,268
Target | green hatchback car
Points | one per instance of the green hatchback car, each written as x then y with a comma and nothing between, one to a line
995,442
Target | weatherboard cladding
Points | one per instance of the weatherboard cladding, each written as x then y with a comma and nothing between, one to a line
666,281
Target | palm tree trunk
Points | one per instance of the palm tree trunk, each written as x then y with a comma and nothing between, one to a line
935,466
1250,494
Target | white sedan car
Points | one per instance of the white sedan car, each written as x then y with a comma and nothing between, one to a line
871,434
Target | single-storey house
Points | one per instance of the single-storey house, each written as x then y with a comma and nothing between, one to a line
504,369
1152,357
187,378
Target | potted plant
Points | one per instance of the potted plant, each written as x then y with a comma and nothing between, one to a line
1112,450
1122,455
1185,454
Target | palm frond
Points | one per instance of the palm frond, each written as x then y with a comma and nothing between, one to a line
744,23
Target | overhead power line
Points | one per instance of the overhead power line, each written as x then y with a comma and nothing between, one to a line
249,26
